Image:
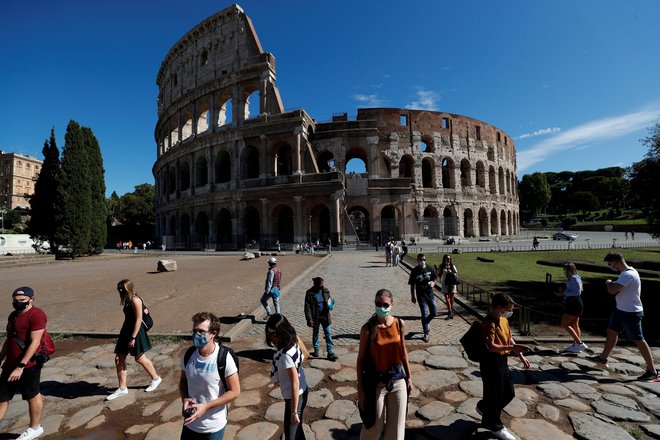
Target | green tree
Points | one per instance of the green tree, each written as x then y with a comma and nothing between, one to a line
42,224
10,218
74,203
99,208
645,180
133,215
534,192
584,201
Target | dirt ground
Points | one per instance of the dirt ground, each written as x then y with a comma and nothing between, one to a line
81,295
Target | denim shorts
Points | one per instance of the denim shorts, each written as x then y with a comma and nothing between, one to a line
630,321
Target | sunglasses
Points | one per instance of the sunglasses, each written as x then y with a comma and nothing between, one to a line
199,331
272,333
383,305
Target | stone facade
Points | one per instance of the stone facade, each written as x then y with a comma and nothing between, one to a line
18,176
235,168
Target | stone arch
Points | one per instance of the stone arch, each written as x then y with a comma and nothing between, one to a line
494,223
388,165
431,225
250,163
326,161
252,100
174,131
184,175
407,166
202,228
283,160
492,179
223,227
226,111
491,154
428,174
184,230
359,219
389,222
187,127
426,144
222,166
483,223
171,180
509,222
321,222
172,227
204,119
201,171
448,179
359,153
481,174
500,179
466,169
283,216
468,223
508,182
252,225
450,221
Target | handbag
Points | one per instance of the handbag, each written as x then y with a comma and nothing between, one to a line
275,292
473,343
451,279
147,319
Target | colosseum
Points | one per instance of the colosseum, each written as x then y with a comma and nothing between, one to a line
235,169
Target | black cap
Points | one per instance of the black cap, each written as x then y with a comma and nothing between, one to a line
23,291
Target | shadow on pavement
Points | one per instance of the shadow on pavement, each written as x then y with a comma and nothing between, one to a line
72,390
263,355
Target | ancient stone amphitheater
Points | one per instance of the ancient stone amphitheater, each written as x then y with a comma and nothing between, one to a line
234,169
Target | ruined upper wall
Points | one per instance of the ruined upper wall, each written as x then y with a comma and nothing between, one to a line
223,47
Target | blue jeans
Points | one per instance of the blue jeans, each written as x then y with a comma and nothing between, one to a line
276,303
294,432
428,310
327,332
189,434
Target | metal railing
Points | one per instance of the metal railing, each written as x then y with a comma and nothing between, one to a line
563,246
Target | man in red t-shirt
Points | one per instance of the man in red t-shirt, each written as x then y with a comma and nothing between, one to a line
19,371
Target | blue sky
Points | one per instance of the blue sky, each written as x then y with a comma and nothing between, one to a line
575,83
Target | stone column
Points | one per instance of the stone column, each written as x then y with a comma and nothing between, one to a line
264,154
298,156
263,90
374,219
213,114
299,222
335,214
266,231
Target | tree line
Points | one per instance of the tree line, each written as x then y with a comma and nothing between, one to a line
613,188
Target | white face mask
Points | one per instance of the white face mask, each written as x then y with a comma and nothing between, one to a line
507,314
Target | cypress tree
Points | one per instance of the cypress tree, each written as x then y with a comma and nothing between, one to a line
99,213
43,203
73,196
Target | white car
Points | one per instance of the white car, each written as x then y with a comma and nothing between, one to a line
570,236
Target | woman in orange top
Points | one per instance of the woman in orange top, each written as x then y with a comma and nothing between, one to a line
495,373
384,380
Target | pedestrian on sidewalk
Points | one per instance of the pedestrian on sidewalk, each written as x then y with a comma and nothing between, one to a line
209,381
448,277
498,389
383,373
388,253
422,280
288,372
627,314
570,320
133,339
272,286
318,306
20,371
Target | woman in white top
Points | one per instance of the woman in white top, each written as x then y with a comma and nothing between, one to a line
287,372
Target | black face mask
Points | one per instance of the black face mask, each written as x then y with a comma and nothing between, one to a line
20,306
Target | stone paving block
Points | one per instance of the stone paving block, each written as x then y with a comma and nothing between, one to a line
526,395
653,387
445,362
548,411
452,427
454,396
259,430
650,403
171,412
435,410
250,398
434,380
444,350
324,364
340,410
588,427
344,375
152,408
240,414
313,377
516,408
469,408
579,388
474,388
418,355
621,401
324,430
83,416
346,391
138,429
538,429
620,413
319,398
165,430
572,404
254,381
275,412
651,430
614,388
554,390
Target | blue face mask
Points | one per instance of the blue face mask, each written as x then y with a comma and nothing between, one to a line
199,340
382,312
422,263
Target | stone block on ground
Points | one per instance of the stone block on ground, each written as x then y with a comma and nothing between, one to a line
166,266
588,427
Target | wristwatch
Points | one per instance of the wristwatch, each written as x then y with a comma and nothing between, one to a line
21,365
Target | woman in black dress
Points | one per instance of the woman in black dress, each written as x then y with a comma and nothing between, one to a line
132,339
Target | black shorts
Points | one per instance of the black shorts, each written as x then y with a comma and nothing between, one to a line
573,305
28,384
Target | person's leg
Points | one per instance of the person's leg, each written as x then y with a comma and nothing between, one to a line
450,303
632,323
315,336
3,409
396,404
423,310
148,366
302,403
264,302
433,310
276,304
492,380
35,406
374,432
327,332
568,323
645,351
120,365
614,327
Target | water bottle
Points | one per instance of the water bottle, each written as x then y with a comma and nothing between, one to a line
331,304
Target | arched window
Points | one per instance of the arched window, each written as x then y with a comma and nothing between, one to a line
450,221
184,175
223,227
326,162
222,167
283,216
426,144
503,224
481,175
431,223
171,180
283,158
320,223
202,229
226,113
468,223
359,223
492,178
501,180
466,168
491,154
252,104
389,222
250,163
428,173
353,166
407,167
448,173
186,130
494,229
204,118
483,223
251,225
201,171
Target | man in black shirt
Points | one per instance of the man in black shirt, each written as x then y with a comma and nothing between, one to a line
422,279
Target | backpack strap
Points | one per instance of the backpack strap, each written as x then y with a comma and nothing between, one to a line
222,360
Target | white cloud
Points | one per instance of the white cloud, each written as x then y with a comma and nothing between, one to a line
540,133
588,133
372,100
426,100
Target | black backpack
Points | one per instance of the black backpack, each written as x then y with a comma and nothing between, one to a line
222,360
473,343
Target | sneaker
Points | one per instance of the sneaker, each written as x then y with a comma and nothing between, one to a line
332,357
451,315
314,354
448,316
30,433
504,434
153,384
577,348
569,348
598,360
426,337
118,393
649,376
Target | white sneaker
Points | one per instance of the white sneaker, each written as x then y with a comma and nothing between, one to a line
153,384
504,434
569,348
30,433
118,393
579,347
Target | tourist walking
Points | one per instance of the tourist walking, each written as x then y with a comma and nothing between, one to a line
20,371
627,314
209,381
404,248
570,320
133,339
498,389
422,280
448,280
383,373
388,253
396,251
288,372
318,306
272,286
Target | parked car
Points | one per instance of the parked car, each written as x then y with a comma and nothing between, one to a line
570,236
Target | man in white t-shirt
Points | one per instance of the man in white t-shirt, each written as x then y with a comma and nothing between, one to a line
201,388
627,315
